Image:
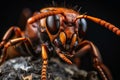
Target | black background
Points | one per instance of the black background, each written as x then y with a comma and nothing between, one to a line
109,10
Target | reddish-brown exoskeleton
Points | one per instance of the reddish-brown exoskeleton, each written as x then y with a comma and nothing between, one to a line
54,29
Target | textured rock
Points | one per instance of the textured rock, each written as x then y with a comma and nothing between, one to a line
23,67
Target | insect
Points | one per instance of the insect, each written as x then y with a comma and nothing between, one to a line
55,29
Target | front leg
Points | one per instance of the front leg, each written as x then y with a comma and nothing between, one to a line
62,56
86,46
45,62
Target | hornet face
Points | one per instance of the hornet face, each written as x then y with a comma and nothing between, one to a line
64,30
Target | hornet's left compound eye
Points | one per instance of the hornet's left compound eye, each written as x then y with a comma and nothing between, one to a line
53,24
82,27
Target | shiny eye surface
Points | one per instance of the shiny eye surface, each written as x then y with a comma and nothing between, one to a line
82,27
53,24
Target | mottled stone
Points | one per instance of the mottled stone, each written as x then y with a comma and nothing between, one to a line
23,67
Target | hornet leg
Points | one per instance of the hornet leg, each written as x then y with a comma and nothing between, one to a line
86,46
45,62
8,44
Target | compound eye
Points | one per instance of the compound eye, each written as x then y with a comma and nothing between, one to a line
82,27
53,24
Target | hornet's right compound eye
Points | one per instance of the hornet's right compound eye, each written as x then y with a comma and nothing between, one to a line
53,24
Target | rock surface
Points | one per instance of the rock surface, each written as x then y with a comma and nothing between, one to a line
23,67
